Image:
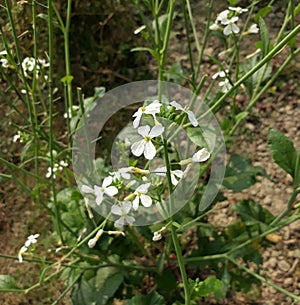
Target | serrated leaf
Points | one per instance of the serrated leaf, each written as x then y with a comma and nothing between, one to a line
283,151
151,299
99,289
264,36
240,174
8,283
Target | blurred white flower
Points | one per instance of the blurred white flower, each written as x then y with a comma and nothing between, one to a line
225,85
4,63
201,155
214,27
3,53
32,239
231,27
145,146
175,174
152,109
122,211
139,29
222,16
99,191
190,113
254,29
238,9
157,235
140,196
123,172
92,242
71,112
220,74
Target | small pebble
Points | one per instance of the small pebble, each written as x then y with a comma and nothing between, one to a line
284,266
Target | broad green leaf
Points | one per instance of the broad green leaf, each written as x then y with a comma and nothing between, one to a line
99,289
8,283
202,136
262,13
240,174
283,151
151,299
264,36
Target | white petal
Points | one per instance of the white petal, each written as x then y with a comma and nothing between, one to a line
235,28
111,191
176,105
153,108
92,242
146,200
161,171
86,189
137,148
115,209
98,190
119,223
126,205
107,181
20,258
135,203
192,118
178,173
201,155
129,219
144,130
156,131
174,180
227,30
137,120
149,151
99,198
143,188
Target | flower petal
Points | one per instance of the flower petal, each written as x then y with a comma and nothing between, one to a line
137,148
176,105
143,188
119,223
129,219
178,173
135,203
174,180
126,205
149,151
107,181
138,116
115,209
156,131
86,189
146,200
144,130
99,198
153,108
161,171
201,156
111,191
192,118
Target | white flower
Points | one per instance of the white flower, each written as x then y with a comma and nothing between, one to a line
139,29
4,52
156,236
145,146
231,27
214,27
62,164
16,137
162,171
190,113
222,17
254,29
32,239
122,211
140,196
220,74
152,109
21,251
104,189
4,62
28,64
238,9
123,172
71,112
43,63
225,85
201,155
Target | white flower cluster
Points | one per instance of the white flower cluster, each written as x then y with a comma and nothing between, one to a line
224,84
57,166
227,22
32,239
30,63
3,60
147,140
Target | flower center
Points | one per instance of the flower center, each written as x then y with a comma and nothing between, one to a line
147,138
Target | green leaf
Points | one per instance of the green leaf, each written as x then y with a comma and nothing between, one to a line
232,2
262,13
202,136
297,10
264,36
151,299
205,288
166,281
8,283
283,151
240,174
99,289
252,213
